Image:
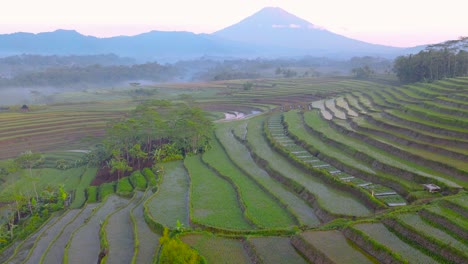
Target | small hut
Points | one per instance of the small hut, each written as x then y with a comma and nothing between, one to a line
432,188
24,108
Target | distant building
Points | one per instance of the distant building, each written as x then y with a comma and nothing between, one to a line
431,187
24,108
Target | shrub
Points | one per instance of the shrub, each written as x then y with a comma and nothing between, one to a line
138,180
124,187
91,193
150,176
106,189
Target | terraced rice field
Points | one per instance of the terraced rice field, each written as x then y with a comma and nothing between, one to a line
119,231
276,250
334,246
148,240
419,225
86,238
274,188
20,252
170,204
216,249
55,252
383,236
261,208
207,209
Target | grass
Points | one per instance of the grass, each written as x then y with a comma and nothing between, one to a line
261,208
336,247
213,199
379,233
21,182
276,250
170,204
217,249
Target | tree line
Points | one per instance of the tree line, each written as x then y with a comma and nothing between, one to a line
444,60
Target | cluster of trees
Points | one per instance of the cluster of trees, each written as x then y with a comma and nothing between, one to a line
445,60
13,65
364,72
29,212
92,74
174,251
156,131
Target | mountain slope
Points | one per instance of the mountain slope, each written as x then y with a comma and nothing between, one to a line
272,26
271,32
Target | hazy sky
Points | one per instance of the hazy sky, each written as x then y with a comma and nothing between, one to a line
388,22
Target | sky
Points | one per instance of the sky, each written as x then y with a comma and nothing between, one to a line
401,23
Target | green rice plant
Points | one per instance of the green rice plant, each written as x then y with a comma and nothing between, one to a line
380,235
124,187
213,200
276,250
415,222
328,243
138,180
261,208
215,249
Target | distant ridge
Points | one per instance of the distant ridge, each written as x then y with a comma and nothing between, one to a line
271,32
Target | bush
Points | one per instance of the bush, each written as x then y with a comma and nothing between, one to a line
91,194
151,178
124,187
138,180
106,189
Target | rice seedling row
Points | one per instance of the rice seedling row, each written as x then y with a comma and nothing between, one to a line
216,249
276,250
329,150
328,244
213,200
417,223
332,200
381,235
313,121
261,208
295,205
